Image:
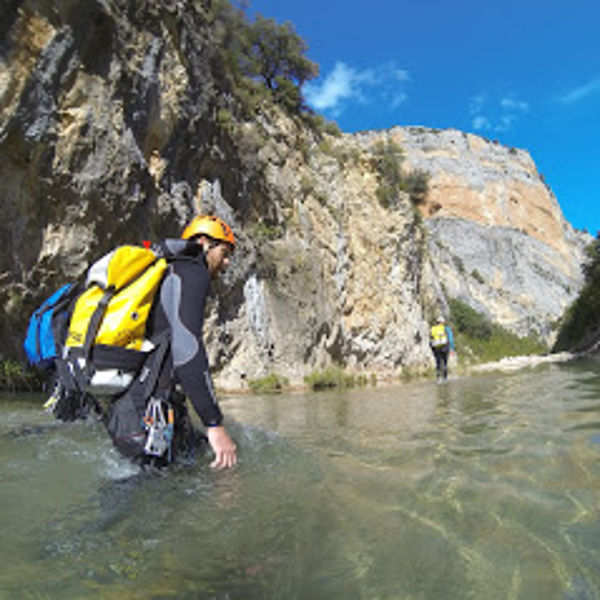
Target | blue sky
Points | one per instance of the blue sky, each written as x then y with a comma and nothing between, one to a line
523,72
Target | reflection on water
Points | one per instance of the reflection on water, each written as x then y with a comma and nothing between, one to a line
485,487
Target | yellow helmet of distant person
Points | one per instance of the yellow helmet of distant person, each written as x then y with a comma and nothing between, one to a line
210,226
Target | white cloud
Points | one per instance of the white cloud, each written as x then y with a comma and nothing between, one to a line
495,115
383,86
476,104
338,86
512,104
481,123
398,99
581,92
391,82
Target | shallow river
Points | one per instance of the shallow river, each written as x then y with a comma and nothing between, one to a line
485,487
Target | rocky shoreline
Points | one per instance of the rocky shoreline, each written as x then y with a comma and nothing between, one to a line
514,363
19,380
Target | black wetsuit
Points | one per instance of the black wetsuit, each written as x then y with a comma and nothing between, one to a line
177,317
179,308
441,360
178,311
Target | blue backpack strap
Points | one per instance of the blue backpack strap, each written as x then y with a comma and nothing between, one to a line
46,328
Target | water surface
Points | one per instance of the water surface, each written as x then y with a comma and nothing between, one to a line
485,487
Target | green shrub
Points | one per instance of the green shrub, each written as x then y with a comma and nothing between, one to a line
363,380
263,232
407,374
477,276
459,264
307,185
487,341
580,326
16,378
226,120
385,194
321,125
387,160
416,185
321,198
326,147
468,321
271,384
332,128
331,377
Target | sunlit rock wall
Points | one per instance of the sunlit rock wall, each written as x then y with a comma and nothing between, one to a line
497,236
336,278
110,133
95,100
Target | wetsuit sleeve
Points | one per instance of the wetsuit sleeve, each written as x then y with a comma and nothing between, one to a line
183,298
450,338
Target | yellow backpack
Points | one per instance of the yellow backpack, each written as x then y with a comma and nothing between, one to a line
438,336
106,344
120,290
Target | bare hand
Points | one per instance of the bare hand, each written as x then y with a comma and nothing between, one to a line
223,447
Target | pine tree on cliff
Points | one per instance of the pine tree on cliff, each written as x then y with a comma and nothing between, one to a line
264,52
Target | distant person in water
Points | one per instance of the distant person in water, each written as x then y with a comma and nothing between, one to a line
441,342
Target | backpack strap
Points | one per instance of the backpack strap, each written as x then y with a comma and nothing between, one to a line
152,371
94,325
72,379
62,315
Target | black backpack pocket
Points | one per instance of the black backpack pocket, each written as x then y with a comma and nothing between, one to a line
125,425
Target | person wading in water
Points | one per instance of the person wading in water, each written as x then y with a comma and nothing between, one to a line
441,342
204,252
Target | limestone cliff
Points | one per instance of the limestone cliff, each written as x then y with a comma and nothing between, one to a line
117,124
497,235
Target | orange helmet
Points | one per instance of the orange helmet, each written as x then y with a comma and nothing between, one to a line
211,226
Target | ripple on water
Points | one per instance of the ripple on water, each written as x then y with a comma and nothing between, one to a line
487,488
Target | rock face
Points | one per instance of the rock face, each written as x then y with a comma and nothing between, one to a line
104,133
117,124
518,281
497,236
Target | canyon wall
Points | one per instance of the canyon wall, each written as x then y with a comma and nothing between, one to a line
497,236
118,124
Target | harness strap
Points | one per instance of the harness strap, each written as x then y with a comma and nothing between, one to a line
151,373
94,325
73,379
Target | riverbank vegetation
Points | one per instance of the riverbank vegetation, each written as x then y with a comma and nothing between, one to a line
271,384
14,377
336,377
332,377
479,340
580,327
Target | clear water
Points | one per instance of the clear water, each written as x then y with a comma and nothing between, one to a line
486,487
